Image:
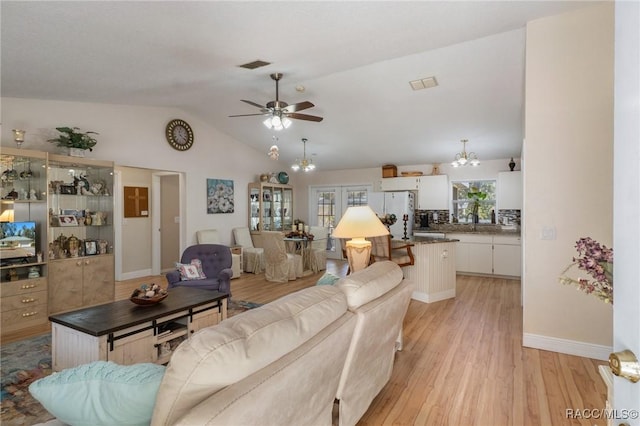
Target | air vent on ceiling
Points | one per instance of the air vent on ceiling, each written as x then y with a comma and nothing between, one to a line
255,64
423,83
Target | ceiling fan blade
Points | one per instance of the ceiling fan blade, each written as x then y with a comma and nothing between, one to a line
253,103
304,117
249,115
298,107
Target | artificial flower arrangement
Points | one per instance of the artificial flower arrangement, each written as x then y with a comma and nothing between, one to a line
388,219
597,261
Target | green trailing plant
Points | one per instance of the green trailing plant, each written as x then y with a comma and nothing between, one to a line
476,195
71,137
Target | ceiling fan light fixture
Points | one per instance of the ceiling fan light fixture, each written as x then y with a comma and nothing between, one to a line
276,122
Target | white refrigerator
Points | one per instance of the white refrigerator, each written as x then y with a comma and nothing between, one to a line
399,203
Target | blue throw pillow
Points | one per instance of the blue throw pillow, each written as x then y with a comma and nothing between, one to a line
328,279
101,393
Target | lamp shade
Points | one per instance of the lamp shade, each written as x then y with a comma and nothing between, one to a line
359,222
7,216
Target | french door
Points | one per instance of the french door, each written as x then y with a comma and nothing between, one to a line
328,204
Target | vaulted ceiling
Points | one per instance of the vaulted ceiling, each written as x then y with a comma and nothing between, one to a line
354,60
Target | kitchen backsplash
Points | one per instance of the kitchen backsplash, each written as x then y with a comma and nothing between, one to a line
508,217
435,217
443,217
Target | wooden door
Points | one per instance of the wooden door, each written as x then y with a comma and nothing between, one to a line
98,280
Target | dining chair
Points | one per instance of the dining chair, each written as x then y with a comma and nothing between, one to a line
252,257
211,236
384,248
280,266
318,249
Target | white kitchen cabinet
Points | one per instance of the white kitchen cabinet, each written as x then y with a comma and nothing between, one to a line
509,191
433,192
507,258
408,183
474,253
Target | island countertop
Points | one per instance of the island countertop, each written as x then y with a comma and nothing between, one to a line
425,240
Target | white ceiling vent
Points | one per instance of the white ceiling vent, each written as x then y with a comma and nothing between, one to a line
424,83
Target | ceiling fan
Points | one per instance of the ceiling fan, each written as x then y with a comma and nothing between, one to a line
278,112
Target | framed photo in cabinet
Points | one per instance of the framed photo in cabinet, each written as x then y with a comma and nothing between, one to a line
67,220
90,247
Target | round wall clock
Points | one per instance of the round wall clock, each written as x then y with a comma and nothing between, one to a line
179,135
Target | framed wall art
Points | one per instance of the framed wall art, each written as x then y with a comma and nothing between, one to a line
136,201
220,196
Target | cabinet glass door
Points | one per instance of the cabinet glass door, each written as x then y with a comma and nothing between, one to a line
267,207
254,209
287,209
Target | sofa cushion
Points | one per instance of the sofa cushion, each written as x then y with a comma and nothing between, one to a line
101,393
370,283
218,356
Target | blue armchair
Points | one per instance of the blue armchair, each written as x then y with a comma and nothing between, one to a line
216,265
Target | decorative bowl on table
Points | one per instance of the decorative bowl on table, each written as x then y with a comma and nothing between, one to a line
148,295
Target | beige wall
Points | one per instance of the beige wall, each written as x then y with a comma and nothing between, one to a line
170,235
568,178
136,232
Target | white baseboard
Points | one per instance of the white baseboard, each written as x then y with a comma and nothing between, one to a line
435,297
564,346
135,274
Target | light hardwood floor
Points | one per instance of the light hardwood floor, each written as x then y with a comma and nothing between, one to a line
463,362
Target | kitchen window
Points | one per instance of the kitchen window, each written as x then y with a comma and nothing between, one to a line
463,200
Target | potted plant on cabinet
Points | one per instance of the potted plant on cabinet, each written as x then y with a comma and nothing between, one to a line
77,142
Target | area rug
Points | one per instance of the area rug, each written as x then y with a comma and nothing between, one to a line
25,361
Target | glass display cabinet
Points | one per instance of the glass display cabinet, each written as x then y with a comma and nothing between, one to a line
23,239
270,207
81,233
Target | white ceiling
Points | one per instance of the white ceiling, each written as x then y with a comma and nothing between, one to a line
354,58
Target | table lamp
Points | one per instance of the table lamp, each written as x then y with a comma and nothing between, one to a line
359,223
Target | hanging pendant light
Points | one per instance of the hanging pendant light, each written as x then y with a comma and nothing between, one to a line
463,158
305,164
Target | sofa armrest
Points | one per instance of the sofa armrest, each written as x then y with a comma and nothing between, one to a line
173,277
225,280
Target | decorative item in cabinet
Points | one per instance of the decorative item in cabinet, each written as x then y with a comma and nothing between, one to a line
270,207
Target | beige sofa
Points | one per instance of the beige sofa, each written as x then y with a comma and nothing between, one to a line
315,357
287,362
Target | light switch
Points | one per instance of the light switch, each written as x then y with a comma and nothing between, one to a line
176,219
548,233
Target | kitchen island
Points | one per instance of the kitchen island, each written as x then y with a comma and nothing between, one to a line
434,269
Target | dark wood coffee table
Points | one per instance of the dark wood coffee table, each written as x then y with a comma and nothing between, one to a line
127,333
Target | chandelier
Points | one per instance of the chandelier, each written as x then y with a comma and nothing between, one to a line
305,164
277,121
463,158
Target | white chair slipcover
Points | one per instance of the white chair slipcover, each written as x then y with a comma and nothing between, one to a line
280,266
318,249
252,257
